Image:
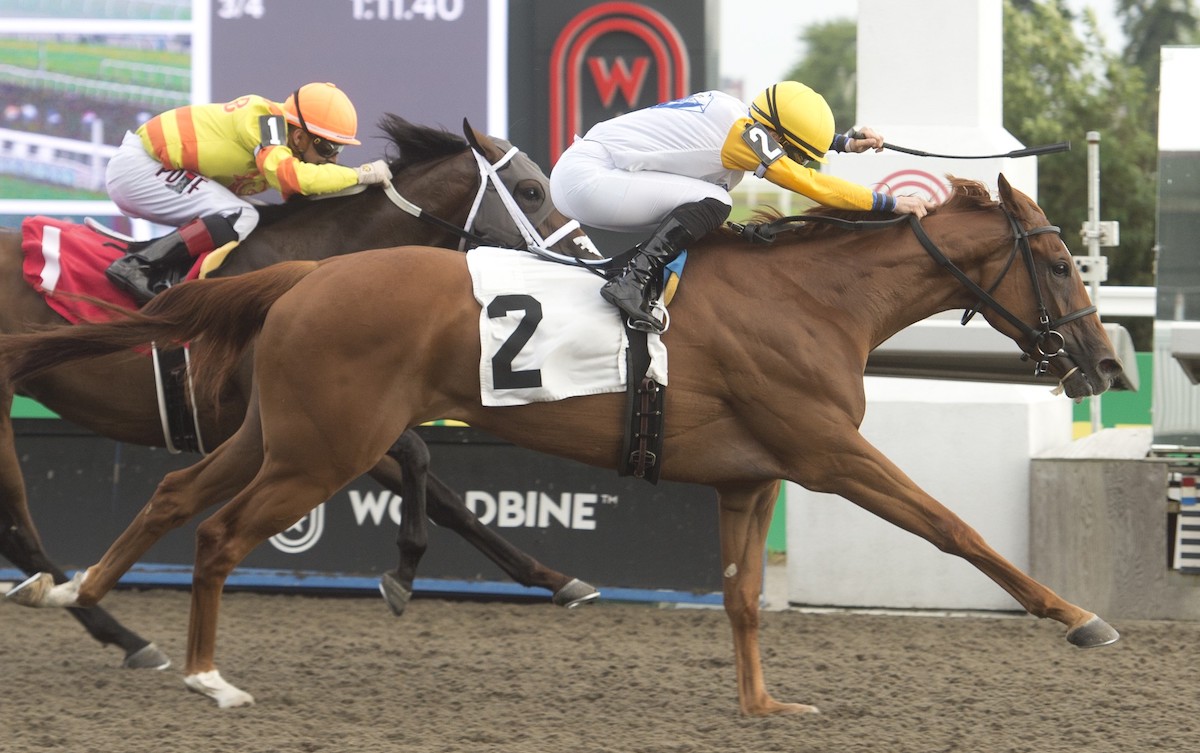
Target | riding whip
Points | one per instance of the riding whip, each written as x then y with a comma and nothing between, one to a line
1032,151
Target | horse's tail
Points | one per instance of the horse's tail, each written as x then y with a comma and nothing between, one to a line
225,313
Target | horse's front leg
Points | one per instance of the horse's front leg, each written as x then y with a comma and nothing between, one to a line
851,467
744,521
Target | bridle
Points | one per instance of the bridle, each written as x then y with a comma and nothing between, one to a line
1047,341
489,173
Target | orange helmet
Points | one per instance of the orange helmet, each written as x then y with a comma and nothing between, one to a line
323,110
798,114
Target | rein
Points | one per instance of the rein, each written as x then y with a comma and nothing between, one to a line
1047,341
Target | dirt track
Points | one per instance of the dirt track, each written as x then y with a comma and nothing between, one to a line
341,674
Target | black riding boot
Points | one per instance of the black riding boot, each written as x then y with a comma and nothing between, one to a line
632,290
150,269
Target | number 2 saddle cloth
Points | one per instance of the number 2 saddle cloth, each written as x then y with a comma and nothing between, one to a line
545,332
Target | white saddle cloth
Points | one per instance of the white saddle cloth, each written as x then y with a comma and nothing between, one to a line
545,332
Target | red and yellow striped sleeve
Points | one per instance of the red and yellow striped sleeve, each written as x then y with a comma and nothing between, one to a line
289,175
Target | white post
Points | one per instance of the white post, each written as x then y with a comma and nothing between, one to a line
97,159
1092,233
962,114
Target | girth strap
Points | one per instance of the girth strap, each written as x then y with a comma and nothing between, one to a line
176,411
641,449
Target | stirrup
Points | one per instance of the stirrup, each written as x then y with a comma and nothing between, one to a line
641,326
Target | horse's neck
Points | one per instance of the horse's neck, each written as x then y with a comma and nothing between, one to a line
363,221
873,283
895,282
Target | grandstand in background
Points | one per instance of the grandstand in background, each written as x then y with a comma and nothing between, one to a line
150,10
68,94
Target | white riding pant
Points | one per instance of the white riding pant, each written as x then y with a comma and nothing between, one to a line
141,187
585,185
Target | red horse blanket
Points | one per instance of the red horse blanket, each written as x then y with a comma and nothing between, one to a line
63,260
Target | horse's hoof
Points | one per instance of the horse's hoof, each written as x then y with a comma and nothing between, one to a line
775,708
396,595
147,657
575,593
211,684
1095,632
32,592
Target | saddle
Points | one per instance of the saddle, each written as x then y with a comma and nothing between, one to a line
64,260
65,263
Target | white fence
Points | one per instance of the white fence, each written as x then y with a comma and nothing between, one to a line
50,159
110,91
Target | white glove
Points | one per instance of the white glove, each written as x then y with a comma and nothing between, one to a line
373,172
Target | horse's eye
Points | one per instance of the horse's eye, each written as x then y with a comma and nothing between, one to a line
1061,269
532,193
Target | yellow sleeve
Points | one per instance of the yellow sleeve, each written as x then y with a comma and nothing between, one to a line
826,190
289,175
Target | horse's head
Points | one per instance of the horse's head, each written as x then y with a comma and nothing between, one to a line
1043,304
530,188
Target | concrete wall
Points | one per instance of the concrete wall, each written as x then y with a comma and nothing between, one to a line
1099,538
968,445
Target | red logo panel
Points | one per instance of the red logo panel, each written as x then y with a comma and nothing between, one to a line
617,82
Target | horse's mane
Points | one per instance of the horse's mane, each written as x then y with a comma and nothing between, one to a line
965,194
409,144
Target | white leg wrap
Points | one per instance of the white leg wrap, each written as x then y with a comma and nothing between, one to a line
214,686
66,594
39,591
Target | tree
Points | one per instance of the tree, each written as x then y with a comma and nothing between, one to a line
1060,84
1151,24
830,67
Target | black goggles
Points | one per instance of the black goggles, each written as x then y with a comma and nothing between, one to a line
796,153
325,148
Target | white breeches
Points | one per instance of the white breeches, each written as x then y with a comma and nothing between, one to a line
143,188
585,185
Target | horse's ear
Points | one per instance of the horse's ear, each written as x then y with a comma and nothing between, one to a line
472,137
1006,191
1018,203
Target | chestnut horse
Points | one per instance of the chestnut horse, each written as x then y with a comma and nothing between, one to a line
438,173
768,346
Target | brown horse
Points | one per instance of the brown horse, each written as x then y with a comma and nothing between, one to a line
437,172
767,351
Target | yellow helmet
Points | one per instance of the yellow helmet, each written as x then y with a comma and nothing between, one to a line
323,110
798,114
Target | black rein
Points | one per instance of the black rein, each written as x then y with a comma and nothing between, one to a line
1047,341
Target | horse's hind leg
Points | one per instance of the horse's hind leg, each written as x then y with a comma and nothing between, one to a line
278,497
21,545
409,471
179,497
745,515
